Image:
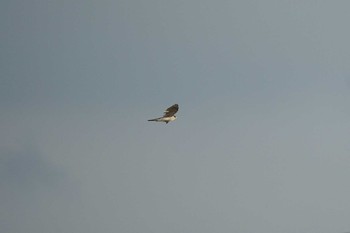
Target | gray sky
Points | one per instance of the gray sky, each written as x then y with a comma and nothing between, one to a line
261,143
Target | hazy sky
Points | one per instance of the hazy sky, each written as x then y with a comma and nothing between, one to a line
261,143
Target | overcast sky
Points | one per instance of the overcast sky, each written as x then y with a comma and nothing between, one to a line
261,142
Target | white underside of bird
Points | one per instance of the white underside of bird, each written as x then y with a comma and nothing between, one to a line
164,119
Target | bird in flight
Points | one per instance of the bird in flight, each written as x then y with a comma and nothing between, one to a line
169,115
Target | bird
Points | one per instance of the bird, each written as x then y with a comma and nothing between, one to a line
169,114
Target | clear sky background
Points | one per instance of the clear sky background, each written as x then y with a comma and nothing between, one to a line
261,143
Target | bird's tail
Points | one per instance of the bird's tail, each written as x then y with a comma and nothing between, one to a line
155,119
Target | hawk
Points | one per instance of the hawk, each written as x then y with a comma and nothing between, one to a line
169,114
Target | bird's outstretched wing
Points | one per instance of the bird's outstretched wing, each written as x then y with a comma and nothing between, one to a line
169,112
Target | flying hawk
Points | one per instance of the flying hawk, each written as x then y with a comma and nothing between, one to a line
169,114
